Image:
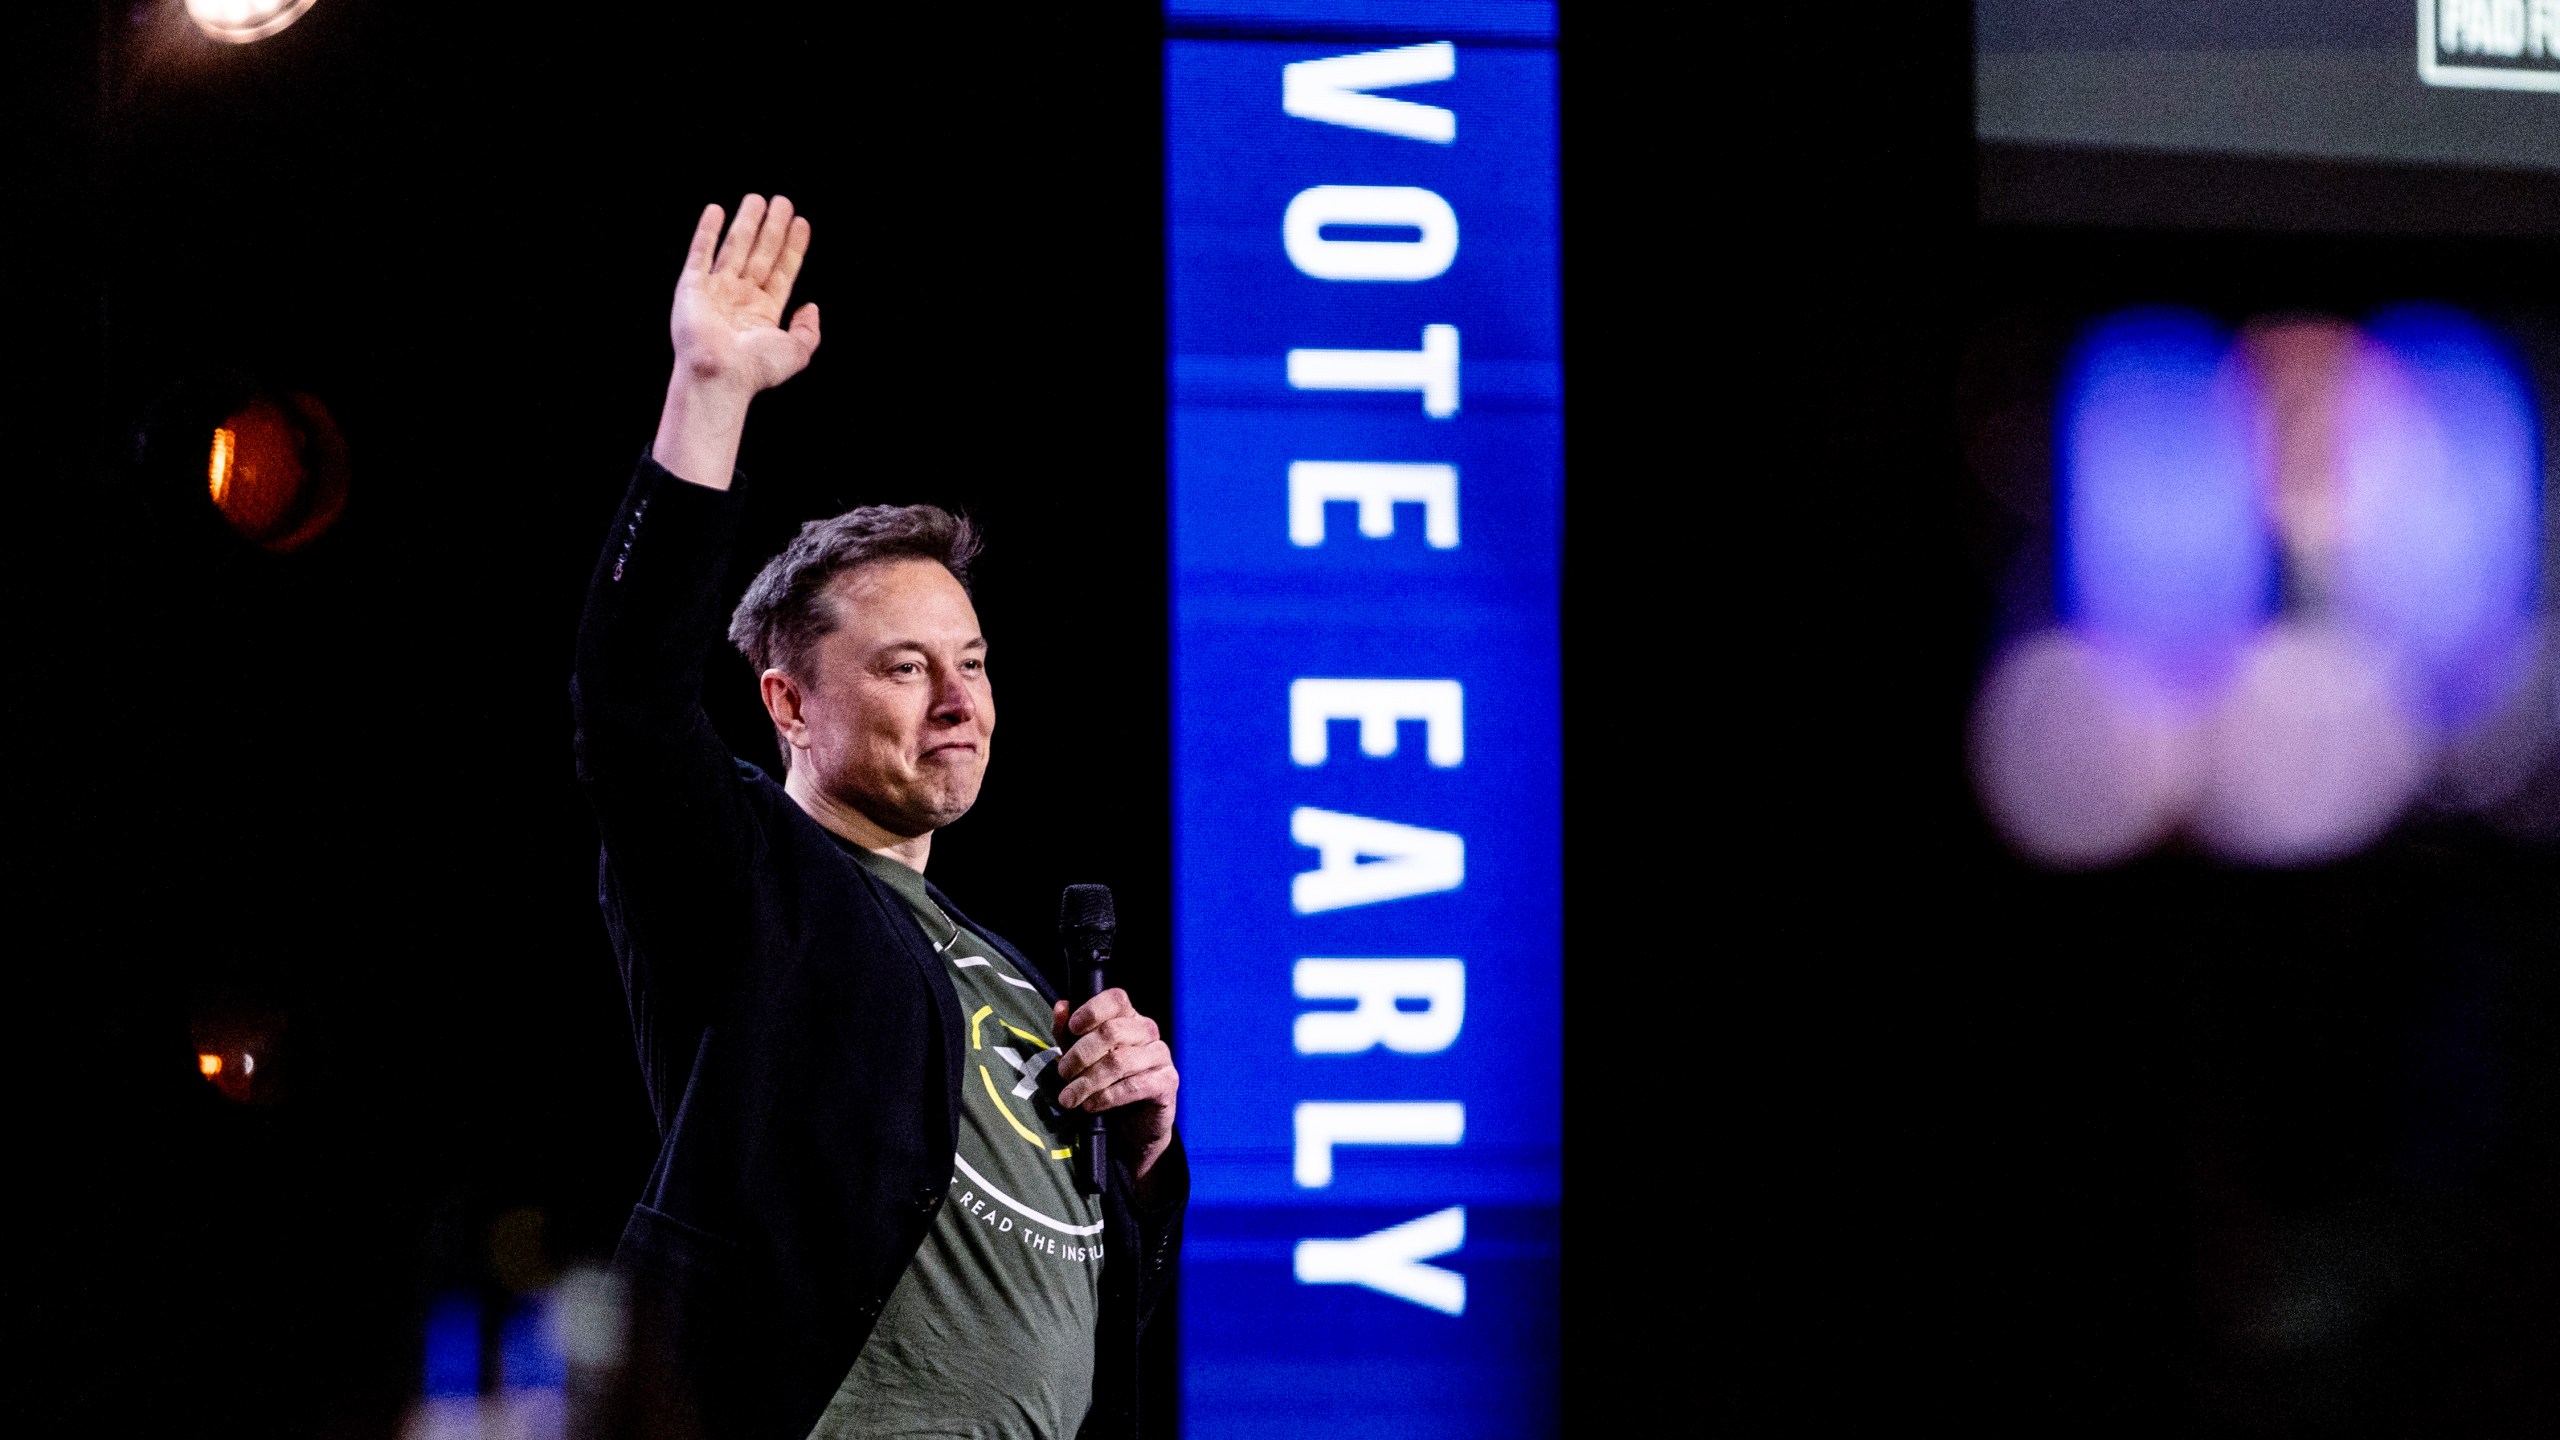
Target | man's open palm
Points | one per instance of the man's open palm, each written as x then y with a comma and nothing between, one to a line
727,322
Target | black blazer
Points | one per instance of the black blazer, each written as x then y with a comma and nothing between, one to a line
801,1044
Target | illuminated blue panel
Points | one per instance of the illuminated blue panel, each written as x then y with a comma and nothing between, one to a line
1368,888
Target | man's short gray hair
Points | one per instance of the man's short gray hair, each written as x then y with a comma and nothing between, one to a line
785,612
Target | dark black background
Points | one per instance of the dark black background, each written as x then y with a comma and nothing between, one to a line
2178,1149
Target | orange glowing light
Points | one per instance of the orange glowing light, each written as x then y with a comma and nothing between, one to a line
217,470
211,1065
278,470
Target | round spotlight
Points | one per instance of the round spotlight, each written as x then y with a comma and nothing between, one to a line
276,469
241,21
264,463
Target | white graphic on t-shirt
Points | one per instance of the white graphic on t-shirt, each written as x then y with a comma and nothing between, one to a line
1061,1226
1030,1068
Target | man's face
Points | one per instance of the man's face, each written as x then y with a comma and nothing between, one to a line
898,709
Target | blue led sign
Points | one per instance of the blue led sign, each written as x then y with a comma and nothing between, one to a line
1367,409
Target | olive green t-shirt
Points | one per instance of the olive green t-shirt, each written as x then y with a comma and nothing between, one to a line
989,1334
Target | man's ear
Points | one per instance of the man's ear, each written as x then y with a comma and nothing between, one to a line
782,700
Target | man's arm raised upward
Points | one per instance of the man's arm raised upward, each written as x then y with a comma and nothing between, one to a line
729,339
677,831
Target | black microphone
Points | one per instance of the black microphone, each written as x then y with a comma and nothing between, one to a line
1086,925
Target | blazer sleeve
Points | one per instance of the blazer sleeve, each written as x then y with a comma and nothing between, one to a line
679,835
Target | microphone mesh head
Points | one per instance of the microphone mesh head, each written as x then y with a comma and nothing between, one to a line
1086,907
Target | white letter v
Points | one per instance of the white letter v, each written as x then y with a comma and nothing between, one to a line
1332,90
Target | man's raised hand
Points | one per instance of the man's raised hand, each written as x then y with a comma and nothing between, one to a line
727,321
729,335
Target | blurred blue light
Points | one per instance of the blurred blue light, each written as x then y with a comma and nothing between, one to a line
2165,558
453,1348
528,1357
2442,472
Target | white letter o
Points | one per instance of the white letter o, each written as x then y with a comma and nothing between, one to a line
1302,230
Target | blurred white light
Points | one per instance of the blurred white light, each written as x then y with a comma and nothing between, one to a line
241,21
2313,752
2080,761
586,1317
523,1415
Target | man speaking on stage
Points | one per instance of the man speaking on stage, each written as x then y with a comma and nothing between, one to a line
864,1219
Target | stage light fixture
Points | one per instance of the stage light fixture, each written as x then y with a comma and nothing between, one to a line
275,468
235,1046
241,21
228,451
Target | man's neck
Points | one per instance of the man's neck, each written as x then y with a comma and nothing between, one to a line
842,819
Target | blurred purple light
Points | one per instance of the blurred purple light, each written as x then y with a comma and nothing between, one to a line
2313,751
2394,472
2165,555
2079,767
2440,468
